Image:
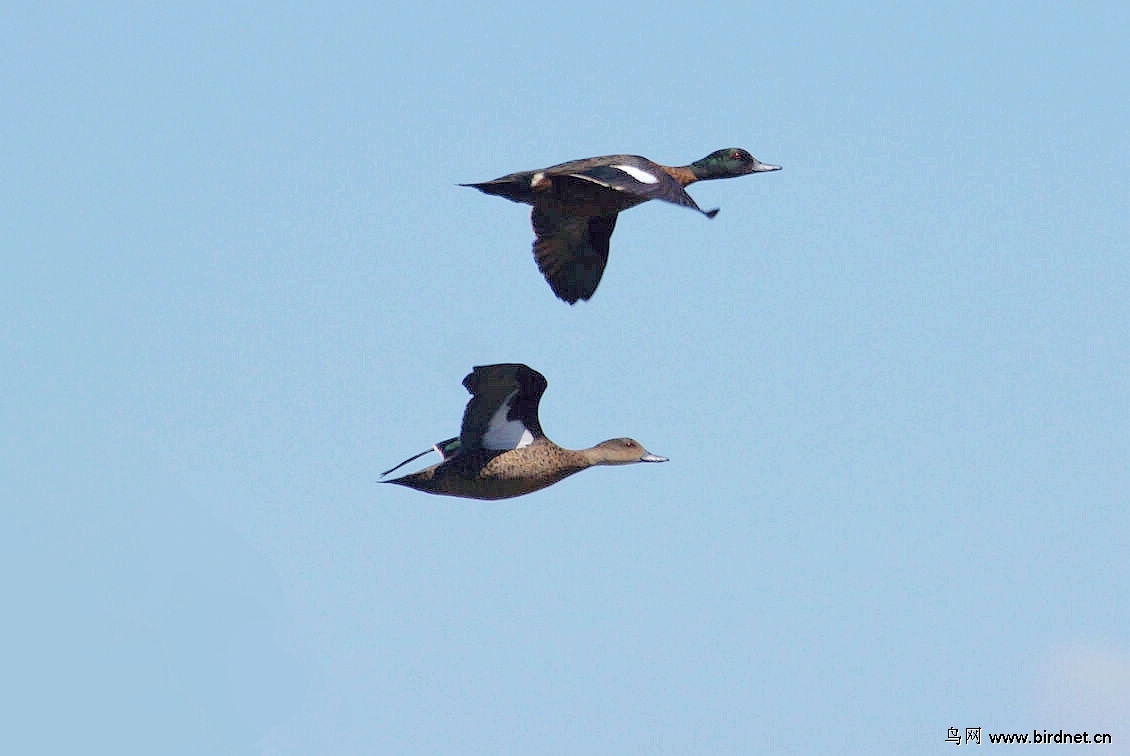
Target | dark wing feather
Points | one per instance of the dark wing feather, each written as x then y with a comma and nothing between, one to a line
663,188
571,251
516,387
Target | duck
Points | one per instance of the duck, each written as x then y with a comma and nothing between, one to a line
501,451
575,206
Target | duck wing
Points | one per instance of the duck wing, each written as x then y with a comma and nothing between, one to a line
571,250
503,410
635,180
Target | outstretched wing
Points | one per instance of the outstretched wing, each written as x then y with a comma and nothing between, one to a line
570,250
503,411
643,183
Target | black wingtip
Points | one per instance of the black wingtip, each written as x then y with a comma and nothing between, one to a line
712,213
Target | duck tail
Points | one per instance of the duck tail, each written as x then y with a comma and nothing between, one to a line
515,187
443,448
402,464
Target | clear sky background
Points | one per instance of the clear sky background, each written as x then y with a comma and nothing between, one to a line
893,379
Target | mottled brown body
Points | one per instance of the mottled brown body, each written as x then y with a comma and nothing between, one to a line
486,474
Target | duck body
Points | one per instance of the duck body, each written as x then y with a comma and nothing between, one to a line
575,206
491,474
596,186
501,451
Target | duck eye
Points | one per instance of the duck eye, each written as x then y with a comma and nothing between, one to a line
629,444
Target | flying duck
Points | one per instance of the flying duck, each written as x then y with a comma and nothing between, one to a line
576,204
501,451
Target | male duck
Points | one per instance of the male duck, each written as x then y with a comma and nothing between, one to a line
576,204
501,451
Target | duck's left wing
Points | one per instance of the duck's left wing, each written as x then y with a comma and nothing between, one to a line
645,183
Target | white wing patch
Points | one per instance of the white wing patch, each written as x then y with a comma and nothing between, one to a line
638,174
506,434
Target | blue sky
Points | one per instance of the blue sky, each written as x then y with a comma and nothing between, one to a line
239,280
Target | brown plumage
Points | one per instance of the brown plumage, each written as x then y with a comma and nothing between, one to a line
501,451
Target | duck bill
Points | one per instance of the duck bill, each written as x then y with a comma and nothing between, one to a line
763,167
649,457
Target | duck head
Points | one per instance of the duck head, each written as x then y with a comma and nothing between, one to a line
621,451
728,163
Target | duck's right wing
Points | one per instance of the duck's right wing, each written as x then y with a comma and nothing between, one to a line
503,410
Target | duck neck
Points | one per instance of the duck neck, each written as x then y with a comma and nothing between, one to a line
685,174
594,455
706,169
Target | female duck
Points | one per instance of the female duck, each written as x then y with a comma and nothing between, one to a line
501,451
